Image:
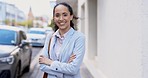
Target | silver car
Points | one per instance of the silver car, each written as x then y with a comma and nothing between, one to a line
15,52
36,36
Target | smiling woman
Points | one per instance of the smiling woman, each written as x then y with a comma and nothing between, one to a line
63,57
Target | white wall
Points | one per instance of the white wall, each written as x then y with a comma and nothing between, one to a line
120,43
122,38
144,24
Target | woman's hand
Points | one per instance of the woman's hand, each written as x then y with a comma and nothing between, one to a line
72,57
45,60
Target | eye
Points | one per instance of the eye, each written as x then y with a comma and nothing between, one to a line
65,14
57,15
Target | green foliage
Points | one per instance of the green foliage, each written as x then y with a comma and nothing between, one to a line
26,23
7,21
51,24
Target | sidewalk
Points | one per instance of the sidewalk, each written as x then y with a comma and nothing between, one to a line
84,72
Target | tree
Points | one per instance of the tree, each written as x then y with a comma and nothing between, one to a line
51,24
7,22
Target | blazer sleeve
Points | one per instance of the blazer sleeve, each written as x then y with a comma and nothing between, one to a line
73,67
46,68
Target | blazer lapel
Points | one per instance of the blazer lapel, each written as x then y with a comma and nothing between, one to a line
52,53
65,43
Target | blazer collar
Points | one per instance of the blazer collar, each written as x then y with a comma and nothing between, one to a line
65,42
67,34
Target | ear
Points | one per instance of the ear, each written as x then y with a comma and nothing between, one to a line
71,17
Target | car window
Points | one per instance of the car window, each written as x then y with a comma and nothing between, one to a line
36,32
7,37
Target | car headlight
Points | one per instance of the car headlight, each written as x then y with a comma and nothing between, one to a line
9,59
41,39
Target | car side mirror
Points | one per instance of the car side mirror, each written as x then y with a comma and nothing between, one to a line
24,42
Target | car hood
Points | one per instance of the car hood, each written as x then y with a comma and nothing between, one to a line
35,36
5,50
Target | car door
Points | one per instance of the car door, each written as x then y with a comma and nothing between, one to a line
26,52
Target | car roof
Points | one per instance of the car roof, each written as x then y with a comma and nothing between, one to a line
37,29
48,28
10,28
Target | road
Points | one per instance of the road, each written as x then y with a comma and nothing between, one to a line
36,73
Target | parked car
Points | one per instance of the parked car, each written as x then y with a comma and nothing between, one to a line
49,30
36,36
15,52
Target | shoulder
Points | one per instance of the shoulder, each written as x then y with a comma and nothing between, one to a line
79,34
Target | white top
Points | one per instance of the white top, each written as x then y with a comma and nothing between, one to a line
58,43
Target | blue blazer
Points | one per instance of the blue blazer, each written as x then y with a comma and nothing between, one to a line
74,43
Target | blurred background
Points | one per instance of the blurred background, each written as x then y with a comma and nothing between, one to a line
116,34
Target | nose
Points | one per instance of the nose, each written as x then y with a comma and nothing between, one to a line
61,18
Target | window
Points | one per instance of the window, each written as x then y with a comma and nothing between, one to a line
7,37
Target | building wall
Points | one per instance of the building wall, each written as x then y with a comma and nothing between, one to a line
144,24
10,12
120,27
120,43
52,3
2,12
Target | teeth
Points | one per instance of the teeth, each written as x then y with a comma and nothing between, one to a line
62,23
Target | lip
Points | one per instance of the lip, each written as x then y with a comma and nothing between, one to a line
61,24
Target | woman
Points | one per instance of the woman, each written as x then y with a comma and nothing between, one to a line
67,46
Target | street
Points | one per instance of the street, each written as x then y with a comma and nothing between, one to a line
36,73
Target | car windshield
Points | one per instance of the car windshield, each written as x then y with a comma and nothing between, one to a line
36,32
7,37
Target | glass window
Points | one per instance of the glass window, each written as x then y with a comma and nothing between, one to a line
0,7
7,37
36,32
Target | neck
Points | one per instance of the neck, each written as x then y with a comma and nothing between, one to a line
62,32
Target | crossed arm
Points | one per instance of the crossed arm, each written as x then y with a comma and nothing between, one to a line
72,67
47,61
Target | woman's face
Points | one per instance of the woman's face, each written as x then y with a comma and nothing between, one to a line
62,17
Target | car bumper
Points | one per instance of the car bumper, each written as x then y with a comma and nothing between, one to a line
37,44
6,71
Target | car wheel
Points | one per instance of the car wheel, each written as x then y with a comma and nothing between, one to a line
17,72
5,74
27,69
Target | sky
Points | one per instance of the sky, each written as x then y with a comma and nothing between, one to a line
39,7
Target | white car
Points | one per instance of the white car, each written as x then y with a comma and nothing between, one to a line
36,36
49,30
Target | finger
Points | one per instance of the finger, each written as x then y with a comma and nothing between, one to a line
72,56
41,56
41,62
69,61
